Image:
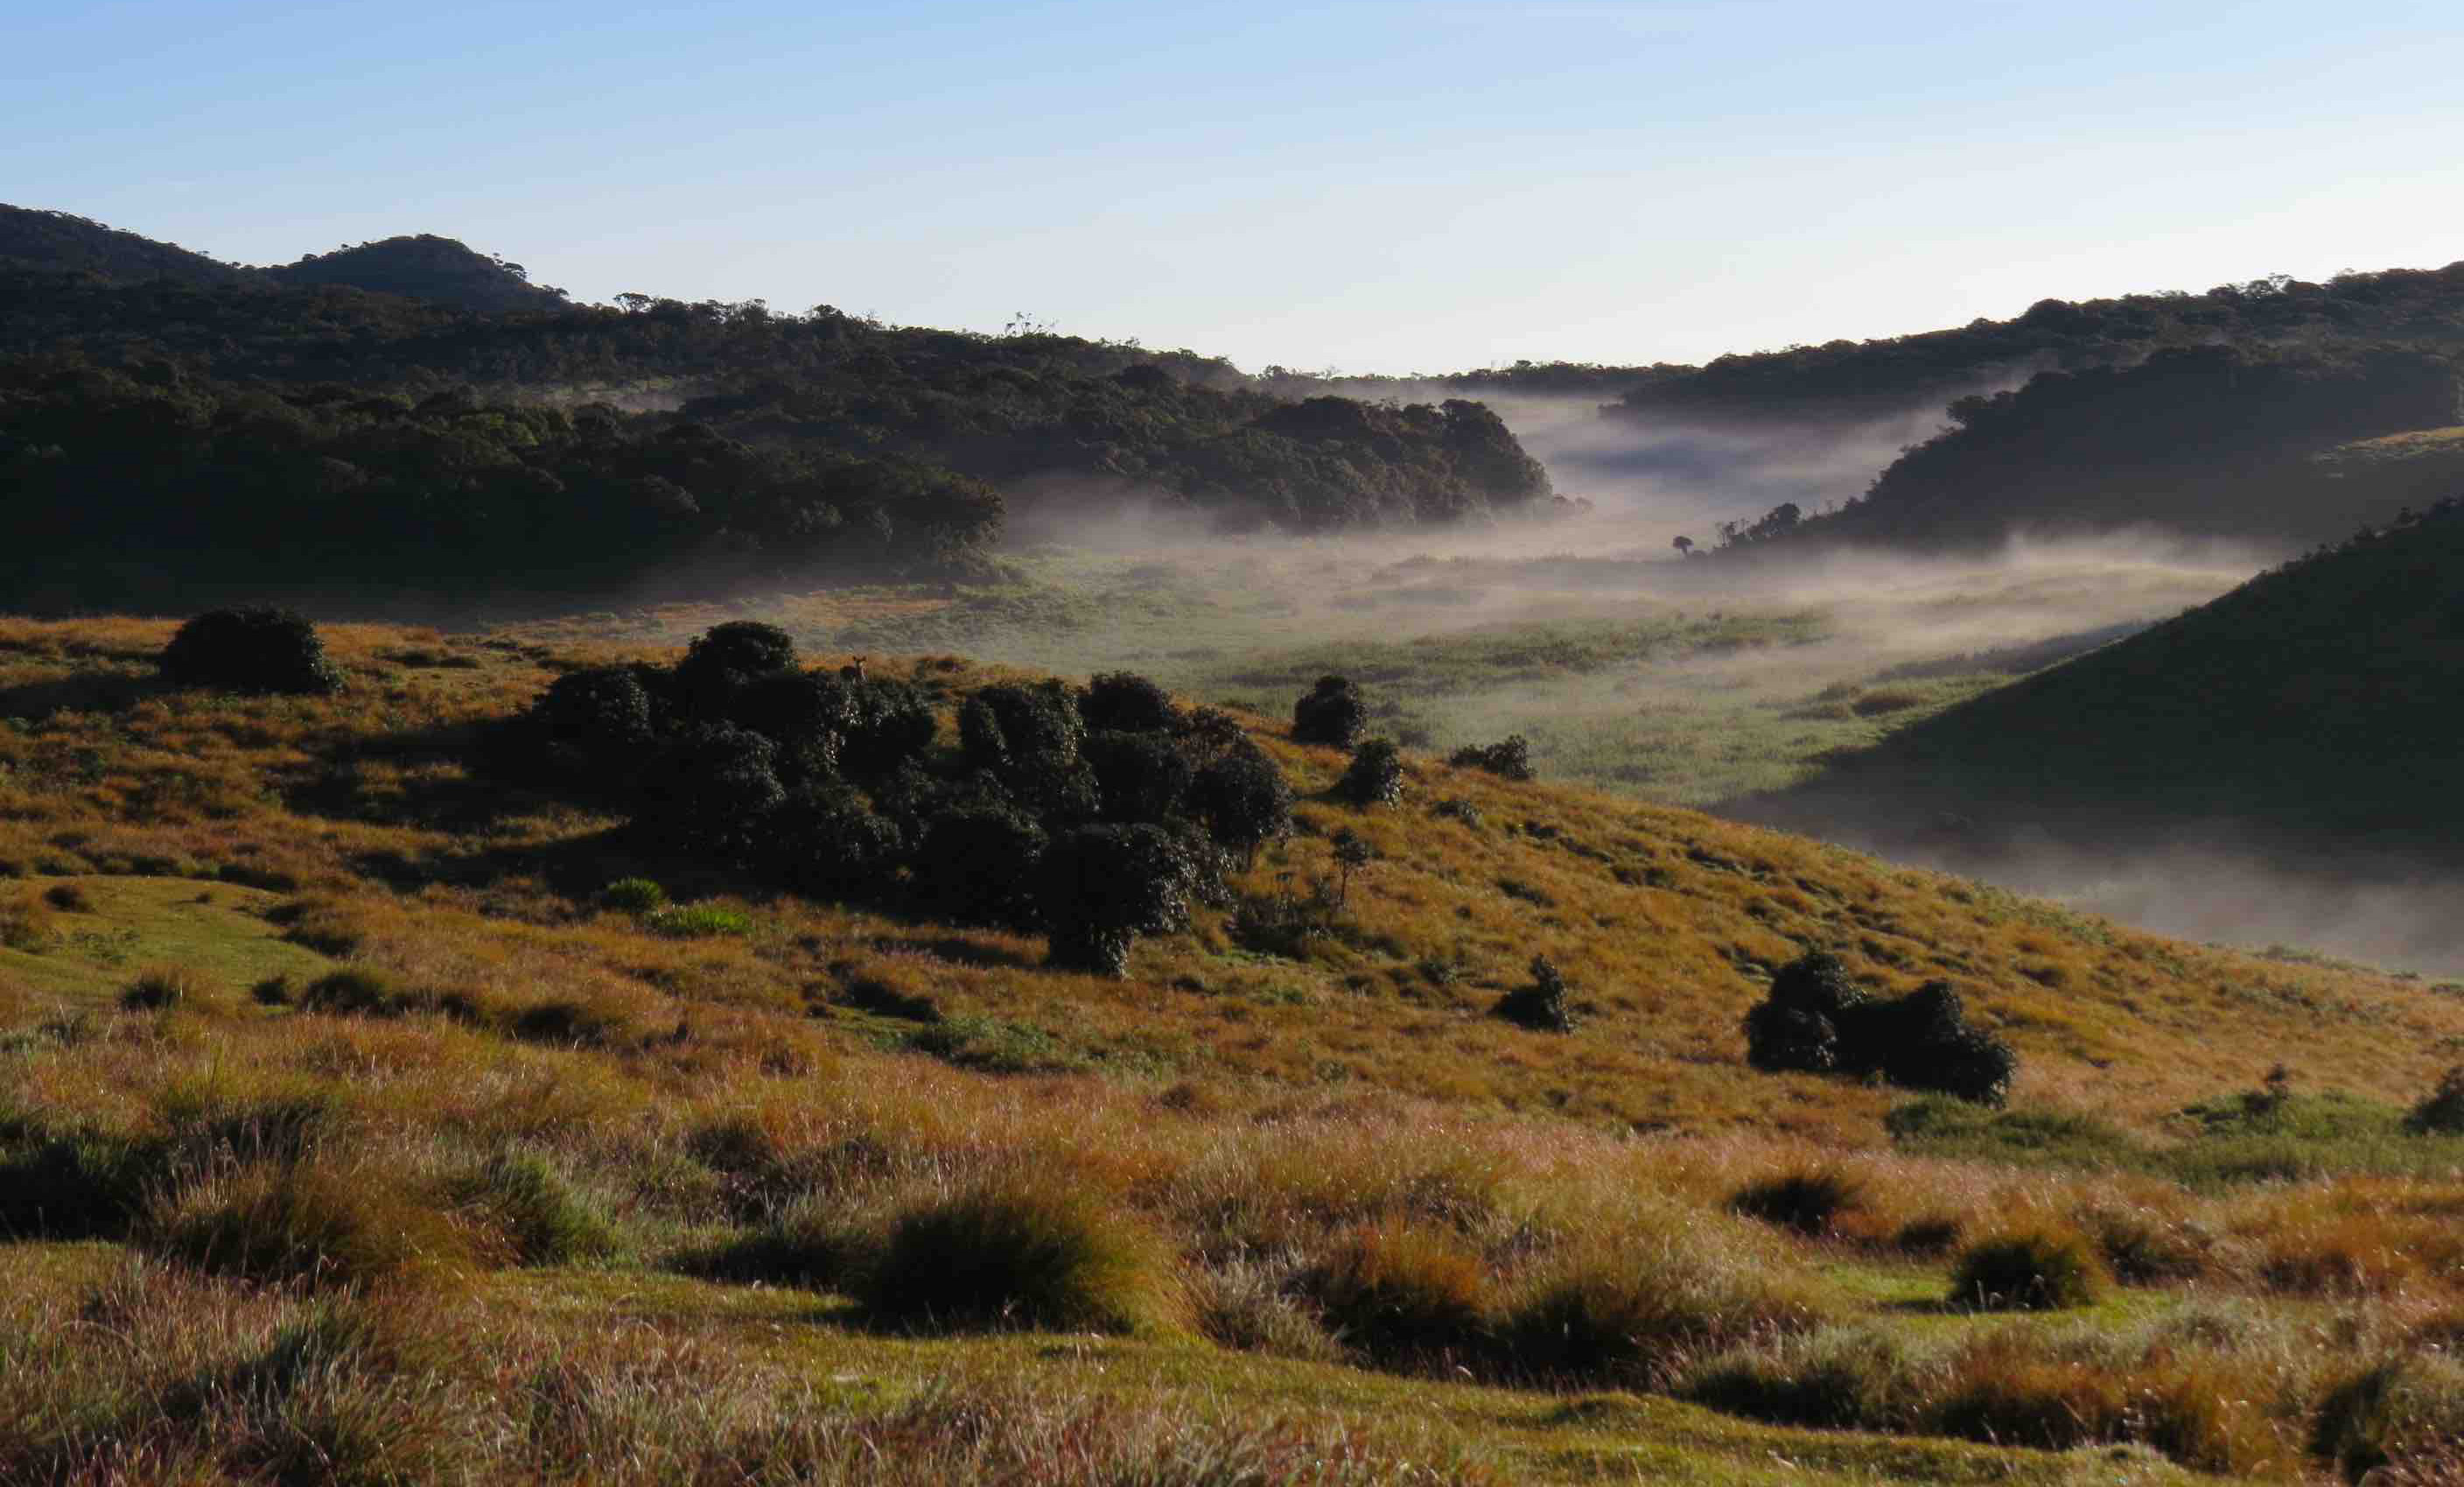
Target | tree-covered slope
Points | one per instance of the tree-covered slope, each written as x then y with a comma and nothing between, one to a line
61,242
423,267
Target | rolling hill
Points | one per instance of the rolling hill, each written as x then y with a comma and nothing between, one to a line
324,1042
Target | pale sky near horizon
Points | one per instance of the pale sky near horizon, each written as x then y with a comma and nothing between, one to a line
1355,185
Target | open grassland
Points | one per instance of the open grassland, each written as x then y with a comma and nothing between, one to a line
1686,682
346,1131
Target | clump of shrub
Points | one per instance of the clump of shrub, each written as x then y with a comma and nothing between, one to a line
2441,1111
1250,1304
1542,1006
1817,1020
29,924
1456,809
1508,759
257,649
1804,1203
1633,1310
1124,702
1331,713
1375,775
68,898
162,988
2400,1420
307,1223
1403,1295
634,895
1017,1255
697,920
1103,886
548,1220
1242,801
2030,1269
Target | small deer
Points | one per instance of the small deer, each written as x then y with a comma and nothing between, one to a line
852,671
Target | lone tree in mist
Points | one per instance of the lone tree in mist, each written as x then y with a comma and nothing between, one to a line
1330,714
1684,546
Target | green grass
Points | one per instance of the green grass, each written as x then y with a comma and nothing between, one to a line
213,929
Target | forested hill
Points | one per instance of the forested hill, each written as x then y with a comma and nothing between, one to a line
2208,441
2317,703
2422,308
327,435
421,266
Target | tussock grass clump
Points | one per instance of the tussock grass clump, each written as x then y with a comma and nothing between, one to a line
1807,1203
634,895
817,1243
68,898
162,988
28,923
2030,1269
548,1219
698,921
2400,1420
358,990
1010,1255
2441,1111
1250,1304
1632,1309
1402,1294
69,1184
2144,1247
2354,1254
312,1223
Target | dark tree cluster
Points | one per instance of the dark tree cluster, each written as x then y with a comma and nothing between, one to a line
260,650
834,786
1374,777
1331,713
1817,1020
1508,758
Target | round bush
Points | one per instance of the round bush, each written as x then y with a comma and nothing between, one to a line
1331,714
262,650
710,789
1103,886
594,727
1243,801
728,658
1017,1255
1006,727
827,841
1375,776
2029,1270
1508,759
1122,702
1541,1006
978,865
1138,776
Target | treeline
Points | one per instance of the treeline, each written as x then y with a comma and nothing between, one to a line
141,489
802,391
2207,440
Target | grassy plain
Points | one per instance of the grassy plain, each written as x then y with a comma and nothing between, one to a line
436,1167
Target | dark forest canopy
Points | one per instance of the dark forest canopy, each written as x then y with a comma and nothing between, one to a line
330,434
2417,307
2207,440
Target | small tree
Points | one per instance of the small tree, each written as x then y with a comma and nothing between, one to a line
1138,776
1243,801
1542,1006
1684,546
253,650
1103,886
1331,714
726,659
1351,854
1375,776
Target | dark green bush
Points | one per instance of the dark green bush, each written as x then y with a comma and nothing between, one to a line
2441,1111
708,791
1817,1020
826,841
1138,776
1508,759
1123,703
1331,714
1103,886
594,727
978,865
1542,1006
1375,775
1006,727
1243,801
725,660
250,650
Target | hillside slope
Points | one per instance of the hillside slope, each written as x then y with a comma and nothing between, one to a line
2315,704
323,1047
424,266
60,242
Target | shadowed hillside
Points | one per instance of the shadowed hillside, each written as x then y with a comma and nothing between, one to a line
60,242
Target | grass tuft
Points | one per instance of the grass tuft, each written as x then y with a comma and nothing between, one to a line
2035,1269
1008,1254
309,1223
1807,1203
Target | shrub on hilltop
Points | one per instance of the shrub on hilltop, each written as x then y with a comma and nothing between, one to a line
1123,701
261,650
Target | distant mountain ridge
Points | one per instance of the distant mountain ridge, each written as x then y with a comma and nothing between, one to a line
418,266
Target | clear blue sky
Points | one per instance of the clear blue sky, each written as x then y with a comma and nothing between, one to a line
1363,186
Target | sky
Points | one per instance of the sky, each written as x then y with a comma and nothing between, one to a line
1351,186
